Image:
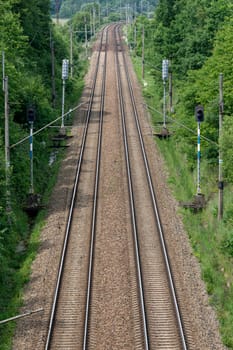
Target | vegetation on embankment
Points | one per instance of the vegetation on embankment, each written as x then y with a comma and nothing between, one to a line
197,39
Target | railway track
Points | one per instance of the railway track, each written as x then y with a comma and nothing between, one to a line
114,287
163,327
64,319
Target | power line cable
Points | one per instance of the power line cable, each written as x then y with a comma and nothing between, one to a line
47,125
183,125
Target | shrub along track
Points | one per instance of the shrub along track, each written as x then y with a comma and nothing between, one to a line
114,321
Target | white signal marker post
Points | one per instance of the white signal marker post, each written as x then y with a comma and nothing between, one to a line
65,74
220,160
31,119
198,158
143,52
164,77
31,158
199,114
7,142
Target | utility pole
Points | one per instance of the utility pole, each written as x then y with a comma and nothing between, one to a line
91,23
135,38
170,92
57,10
107,8
99,13
198,158
31,119
220,175
199,115
31,158
135,10
86,36
71,51
126,22
7,146
94,19
65,74
143,51
7,142
53,70
164,77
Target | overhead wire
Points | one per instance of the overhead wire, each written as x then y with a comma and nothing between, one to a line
183,125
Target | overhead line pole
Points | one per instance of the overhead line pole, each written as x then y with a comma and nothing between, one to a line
53,70
57,11
143,51
7,142
220,176
71,52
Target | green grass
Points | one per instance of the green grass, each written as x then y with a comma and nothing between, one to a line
211,240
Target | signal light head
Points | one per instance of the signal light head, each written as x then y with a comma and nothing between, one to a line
199,113
31,115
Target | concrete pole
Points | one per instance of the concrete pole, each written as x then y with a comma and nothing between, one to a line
31,158
143,52
170,92
91,23
164,103
53,71
71,52
198,158
63,103
3,71
86,37
7,146
94,20
7,142
135,37
57,11
220,175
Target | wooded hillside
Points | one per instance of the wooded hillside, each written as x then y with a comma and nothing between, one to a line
196,37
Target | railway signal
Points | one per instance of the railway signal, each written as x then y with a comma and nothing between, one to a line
220,160
31,118
165,69
7,139
164,77
198,201
65,74
199,115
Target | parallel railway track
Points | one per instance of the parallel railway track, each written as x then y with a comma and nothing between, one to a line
166,338
55,337
156,317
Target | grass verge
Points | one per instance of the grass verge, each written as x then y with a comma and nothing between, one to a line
211,239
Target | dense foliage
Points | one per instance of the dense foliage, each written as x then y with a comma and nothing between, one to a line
196,37
27,36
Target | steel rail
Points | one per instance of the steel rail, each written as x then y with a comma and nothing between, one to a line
132,204
72,203
156,211
95,202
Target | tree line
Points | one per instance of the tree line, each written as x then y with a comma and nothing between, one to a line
196,37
